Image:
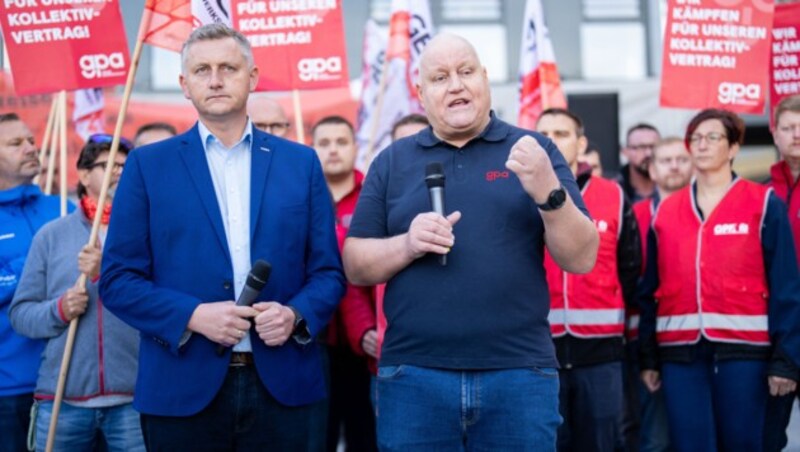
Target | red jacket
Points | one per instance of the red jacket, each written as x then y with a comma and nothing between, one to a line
712,280
356,313
784,187
591,305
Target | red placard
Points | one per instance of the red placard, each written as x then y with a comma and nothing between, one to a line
296,44
57,45
715,52
785,70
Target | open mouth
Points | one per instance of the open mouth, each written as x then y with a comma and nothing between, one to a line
458,103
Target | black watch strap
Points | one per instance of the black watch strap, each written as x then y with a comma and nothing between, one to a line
555,200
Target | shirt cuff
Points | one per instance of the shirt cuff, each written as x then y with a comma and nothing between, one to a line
60,304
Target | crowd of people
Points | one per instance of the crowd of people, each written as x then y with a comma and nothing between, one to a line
656,312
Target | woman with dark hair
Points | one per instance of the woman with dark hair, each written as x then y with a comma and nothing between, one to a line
102,373
720,298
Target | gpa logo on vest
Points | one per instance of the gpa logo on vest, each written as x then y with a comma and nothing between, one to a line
601,225
732,229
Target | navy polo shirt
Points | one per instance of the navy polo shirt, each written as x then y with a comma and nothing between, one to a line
487,309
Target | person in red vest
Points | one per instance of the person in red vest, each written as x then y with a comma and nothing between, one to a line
785,178
671,169
720,298
587,311
353,325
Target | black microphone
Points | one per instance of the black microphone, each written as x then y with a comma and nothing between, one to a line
256,280
434,179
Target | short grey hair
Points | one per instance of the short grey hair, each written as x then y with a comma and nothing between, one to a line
215,31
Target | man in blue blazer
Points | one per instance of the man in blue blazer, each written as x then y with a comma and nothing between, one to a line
191,215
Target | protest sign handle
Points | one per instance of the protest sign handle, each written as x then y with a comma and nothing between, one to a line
52,146
298,117
373,135
62,164
46,139
112,153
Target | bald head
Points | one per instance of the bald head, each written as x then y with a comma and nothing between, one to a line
454,89
445,42
267,115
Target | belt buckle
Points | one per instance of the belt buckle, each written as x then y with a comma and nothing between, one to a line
240,359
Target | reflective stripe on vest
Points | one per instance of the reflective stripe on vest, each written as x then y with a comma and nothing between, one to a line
711,273
591,305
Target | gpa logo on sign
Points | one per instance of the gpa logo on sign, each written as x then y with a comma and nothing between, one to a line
316,69
731,93
101,65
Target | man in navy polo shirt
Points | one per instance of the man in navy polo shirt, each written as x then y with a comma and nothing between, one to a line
467,360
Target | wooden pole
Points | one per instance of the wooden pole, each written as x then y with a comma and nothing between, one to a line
112,153
46,139
51,159
62,164
373,135
298,117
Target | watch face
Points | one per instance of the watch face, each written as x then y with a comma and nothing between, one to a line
557,197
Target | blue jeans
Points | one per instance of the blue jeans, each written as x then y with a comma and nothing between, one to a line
424,409
646,427
591,404
716,405
79,429
14,419
242,416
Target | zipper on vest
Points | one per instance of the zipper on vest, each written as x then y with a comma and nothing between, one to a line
698,284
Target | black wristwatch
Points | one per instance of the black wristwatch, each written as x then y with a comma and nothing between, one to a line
555,200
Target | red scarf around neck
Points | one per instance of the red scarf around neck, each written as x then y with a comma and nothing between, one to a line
89,207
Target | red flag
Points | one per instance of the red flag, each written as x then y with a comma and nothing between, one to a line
540,85
410,29
167,23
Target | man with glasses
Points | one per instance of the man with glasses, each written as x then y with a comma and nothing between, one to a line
645,421
268,115
23,210
634,177
99,389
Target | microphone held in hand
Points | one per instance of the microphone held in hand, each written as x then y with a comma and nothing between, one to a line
256,280
434,179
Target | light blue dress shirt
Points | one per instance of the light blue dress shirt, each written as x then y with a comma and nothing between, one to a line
230,173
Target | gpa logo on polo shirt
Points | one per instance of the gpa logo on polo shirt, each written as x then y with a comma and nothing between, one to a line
492,176
732,229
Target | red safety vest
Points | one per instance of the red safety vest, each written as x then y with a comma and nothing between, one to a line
786,189
643,210
591,305
711,273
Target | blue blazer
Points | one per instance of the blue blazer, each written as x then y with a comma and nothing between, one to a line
166,252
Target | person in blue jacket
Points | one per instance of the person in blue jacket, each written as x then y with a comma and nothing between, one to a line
191,216
23,210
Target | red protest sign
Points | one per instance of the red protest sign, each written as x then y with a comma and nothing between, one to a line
60,45
715,53
296,45
785,70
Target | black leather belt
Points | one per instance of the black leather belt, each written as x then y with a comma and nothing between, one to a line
239,359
